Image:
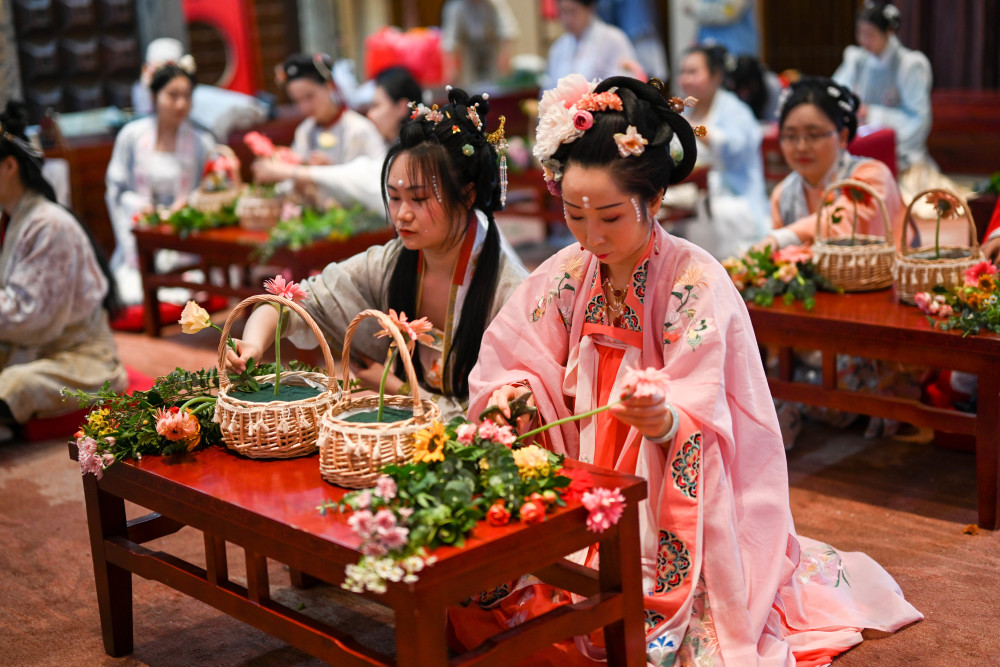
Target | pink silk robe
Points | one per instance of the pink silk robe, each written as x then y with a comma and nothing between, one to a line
726,578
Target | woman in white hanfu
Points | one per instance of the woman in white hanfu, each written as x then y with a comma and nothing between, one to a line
156,163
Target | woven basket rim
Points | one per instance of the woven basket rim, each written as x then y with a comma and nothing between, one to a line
372,428
880,205
301,401
966,213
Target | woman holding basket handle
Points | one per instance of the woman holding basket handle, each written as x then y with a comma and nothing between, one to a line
448,263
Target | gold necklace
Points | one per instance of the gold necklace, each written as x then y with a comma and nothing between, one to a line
616,301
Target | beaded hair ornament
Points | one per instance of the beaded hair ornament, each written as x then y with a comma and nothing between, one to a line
283,75
566,112
846,102
497,138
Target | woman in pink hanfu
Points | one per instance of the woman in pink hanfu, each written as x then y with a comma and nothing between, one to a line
726,579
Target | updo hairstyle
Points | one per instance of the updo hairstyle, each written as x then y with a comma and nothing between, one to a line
837,102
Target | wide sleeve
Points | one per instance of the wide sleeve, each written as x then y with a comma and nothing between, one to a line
339,293
735,137
911,118
119,180
355,182
847,72
51,284
364,140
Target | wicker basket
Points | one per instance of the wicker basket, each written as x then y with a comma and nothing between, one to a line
258,213
278,429
921,275
213,202
352,454
857,268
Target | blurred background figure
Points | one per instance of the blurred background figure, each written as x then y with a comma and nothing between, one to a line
589,46
331,132
759,88
639,20
212,108
55,291
730,23
477,37
894,84
737,211
156,163
357,181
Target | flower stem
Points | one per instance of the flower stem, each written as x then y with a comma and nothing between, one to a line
566,420
202,402
854,222
381,386
277,350
937,237
229,339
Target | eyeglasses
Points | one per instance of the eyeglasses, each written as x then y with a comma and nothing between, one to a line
809,139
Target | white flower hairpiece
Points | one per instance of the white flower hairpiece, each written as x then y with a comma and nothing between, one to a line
630,142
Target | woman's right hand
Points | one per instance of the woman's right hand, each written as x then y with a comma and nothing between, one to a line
502,398
761,245
236,362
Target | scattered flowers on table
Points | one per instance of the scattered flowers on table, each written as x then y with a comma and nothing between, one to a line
761,275
471,476
970,307
180,426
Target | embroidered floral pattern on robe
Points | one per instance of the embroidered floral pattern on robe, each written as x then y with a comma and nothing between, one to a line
639,280
700,646
686,465
662,651
489,598
821,564
673,562
572,270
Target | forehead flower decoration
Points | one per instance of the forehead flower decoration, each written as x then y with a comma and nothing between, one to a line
630,142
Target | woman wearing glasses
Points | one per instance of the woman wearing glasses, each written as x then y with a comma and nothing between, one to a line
817,121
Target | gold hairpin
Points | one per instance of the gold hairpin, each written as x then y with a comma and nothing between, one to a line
497,136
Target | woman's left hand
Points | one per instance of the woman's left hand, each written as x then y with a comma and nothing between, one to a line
370,376
271,171
648,414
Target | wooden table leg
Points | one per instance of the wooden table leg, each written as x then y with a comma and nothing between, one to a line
151,299
987,444
106,519
421,635
621,570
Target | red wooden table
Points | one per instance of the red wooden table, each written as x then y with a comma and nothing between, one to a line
229,247
269,508
874,326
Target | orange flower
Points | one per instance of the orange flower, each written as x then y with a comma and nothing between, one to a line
416,329
945,204
857,195
497,514
532,512
178,426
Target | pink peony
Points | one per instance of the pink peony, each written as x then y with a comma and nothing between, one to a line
605,507
385,487
395,538
385,520
259,144
488,430
466,434
648,382
583,120
972,274
362,522
505,435
287,290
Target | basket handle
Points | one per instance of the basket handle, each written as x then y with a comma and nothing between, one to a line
973,234
404,354
291,305
861,185
225,150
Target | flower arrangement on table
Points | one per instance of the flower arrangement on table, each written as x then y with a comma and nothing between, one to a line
462,473
221,173
970,307
189,219
761,275
177,413
298,226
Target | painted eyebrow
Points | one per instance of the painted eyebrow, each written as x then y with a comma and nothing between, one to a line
418,186
599,208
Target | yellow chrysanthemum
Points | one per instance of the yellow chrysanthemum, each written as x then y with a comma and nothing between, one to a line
430,443
100,423
532,461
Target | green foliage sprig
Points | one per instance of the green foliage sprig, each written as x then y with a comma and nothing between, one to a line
312,225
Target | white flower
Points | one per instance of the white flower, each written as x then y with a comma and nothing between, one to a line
555,128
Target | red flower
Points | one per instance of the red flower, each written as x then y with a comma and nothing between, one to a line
984,268
259,144
580,482
497,514
857,195
532,511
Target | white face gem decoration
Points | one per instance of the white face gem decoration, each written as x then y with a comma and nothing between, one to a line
399,182
586,202
437,193
638,211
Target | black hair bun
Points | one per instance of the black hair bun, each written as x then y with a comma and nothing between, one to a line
15,118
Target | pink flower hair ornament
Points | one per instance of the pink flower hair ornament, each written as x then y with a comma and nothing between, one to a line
630,142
